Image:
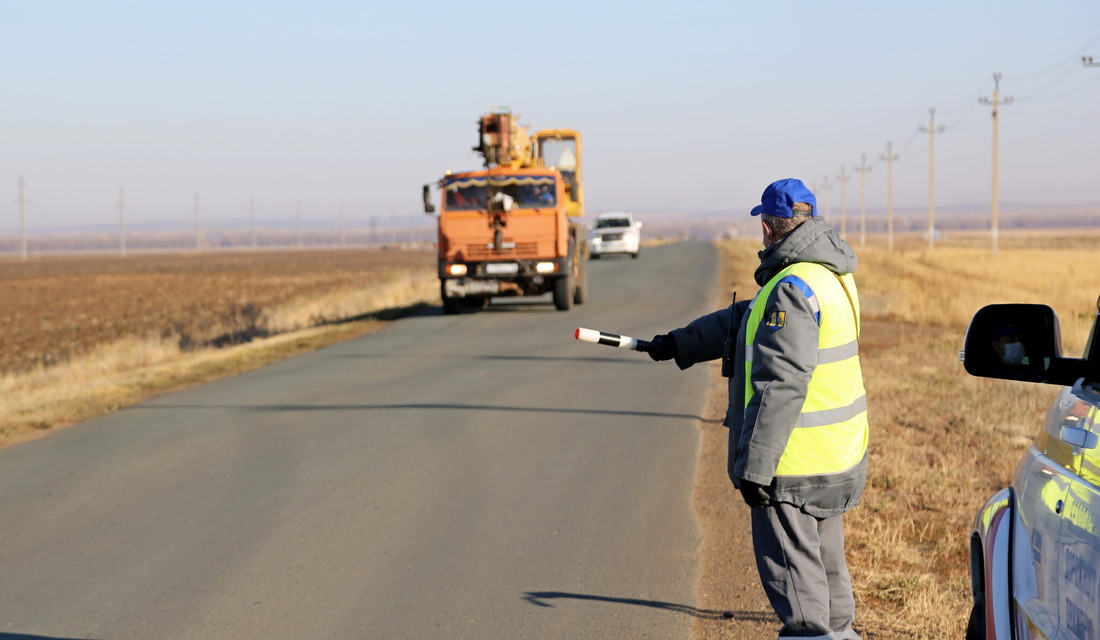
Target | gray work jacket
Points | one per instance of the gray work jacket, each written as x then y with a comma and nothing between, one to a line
784,361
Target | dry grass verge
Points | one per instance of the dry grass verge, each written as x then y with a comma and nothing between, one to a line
941,441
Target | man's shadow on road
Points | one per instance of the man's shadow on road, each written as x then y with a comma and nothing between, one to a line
539,598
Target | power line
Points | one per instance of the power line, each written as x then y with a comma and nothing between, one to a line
957,123
1068,70
1070,65
1071,92
968,108
1055,66
906,144
967,127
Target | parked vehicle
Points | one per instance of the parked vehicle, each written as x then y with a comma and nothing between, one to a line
1035,545
615,232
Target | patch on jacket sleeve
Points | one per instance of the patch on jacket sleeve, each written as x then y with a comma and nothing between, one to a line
776,320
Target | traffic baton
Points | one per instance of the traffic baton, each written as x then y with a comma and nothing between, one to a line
612,340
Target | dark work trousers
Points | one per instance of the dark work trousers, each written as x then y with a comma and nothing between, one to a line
802,567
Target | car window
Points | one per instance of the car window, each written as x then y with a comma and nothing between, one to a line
608,223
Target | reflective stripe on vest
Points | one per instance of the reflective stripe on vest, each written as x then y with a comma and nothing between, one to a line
831,433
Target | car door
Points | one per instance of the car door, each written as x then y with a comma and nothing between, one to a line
1079,588
1044,484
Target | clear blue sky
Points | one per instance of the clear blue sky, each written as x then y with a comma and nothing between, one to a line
684,105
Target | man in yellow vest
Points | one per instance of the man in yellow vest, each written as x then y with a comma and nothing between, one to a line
797,414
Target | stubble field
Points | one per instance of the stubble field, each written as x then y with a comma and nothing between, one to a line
80,335
56,308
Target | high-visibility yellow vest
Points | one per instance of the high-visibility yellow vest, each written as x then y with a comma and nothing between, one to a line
832,429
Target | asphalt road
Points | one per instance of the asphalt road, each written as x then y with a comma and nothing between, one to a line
472,476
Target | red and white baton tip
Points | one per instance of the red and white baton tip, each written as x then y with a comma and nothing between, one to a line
609,339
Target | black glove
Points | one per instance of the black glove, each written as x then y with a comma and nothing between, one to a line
755,495
664,347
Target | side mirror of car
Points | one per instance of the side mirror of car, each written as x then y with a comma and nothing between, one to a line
428,206
638,225
1020,342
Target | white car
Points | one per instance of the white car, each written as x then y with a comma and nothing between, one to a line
1035,545
615,232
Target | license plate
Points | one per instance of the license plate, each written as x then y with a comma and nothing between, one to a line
501,267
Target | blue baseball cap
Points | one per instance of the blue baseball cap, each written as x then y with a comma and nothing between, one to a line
779,198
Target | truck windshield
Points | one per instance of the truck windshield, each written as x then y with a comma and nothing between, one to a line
465,198
504,192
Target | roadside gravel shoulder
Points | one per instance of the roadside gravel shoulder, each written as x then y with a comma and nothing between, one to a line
731,603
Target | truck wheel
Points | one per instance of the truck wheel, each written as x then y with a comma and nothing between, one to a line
564,289
451,306
580,291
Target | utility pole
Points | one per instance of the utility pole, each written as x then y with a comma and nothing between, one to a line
252,216
343,234
198,226
121,224
889,158
863,169
932,130
825,187
22,221
842,179
997,101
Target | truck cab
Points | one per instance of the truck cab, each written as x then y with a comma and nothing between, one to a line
510,229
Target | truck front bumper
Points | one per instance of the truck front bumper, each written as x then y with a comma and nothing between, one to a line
462,287
524,277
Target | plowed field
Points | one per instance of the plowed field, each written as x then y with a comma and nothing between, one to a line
55,308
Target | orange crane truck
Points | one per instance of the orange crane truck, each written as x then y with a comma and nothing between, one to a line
512,228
